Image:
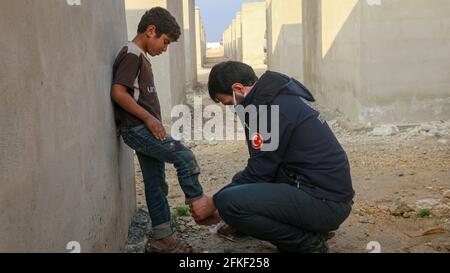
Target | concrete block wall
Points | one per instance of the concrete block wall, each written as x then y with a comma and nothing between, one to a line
224,43
225,48
285,37
235,46
190,47
228,41
253,16
64,175
333,81
168,68
379,62
238,41
244,38
405,61
233,40
203,43
200,39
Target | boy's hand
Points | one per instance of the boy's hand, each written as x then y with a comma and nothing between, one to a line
155,126
120,96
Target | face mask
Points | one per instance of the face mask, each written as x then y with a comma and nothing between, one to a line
235,110
234,98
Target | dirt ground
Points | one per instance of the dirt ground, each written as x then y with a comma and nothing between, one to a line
413,165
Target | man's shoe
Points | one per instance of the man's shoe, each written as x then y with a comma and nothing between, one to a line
329,235
319,245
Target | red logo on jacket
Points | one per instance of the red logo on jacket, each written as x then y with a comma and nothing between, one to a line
257,141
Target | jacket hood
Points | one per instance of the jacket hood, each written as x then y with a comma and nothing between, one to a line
271,85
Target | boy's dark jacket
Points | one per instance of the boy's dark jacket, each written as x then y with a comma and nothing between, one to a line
308,151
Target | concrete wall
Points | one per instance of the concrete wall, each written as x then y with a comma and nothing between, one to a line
199,40
203,43
169,68
190,49
386,63
224,43
405,61
285,37
233,40
64,175
228,40
253,17
238,37
332,54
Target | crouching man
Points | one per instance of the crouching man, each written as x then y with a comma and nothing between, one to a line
292,196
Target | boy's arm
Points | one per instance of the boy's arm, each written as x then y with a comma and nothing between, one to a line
120,96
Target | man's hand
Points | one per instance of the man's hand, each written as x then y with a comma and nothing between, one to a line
214,219
156,128
202,208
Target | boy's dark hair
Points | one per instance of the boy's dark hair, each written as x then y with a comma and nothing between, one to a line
164,22
224,75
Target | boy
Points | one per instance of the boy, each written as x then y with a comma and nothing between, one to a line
138,118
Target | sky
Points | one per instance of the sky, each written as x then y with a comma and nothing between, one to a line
217,15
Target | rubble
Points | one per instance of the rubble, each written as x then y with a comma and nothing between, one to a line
434,129
386,130
190,144
409,214
447,194
427,203
399,207
213,142
443,141
441,210
367,220
138,232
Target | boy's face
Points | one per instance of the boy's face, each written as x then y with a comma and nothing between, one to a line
156,45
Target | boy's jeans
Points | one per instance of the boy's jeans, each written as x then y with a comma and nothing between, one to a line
152,155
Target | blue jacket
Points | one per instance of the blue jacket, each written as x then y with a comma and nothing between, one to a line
308,155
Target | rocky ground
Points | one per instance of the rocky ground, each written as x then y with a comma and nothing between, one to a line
401,177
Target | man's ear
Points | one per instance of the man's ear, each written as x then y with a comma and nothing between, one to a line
151,31
238,88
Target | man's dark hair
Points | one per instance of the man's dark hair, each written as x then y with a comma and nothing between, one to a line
224,75
164,22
